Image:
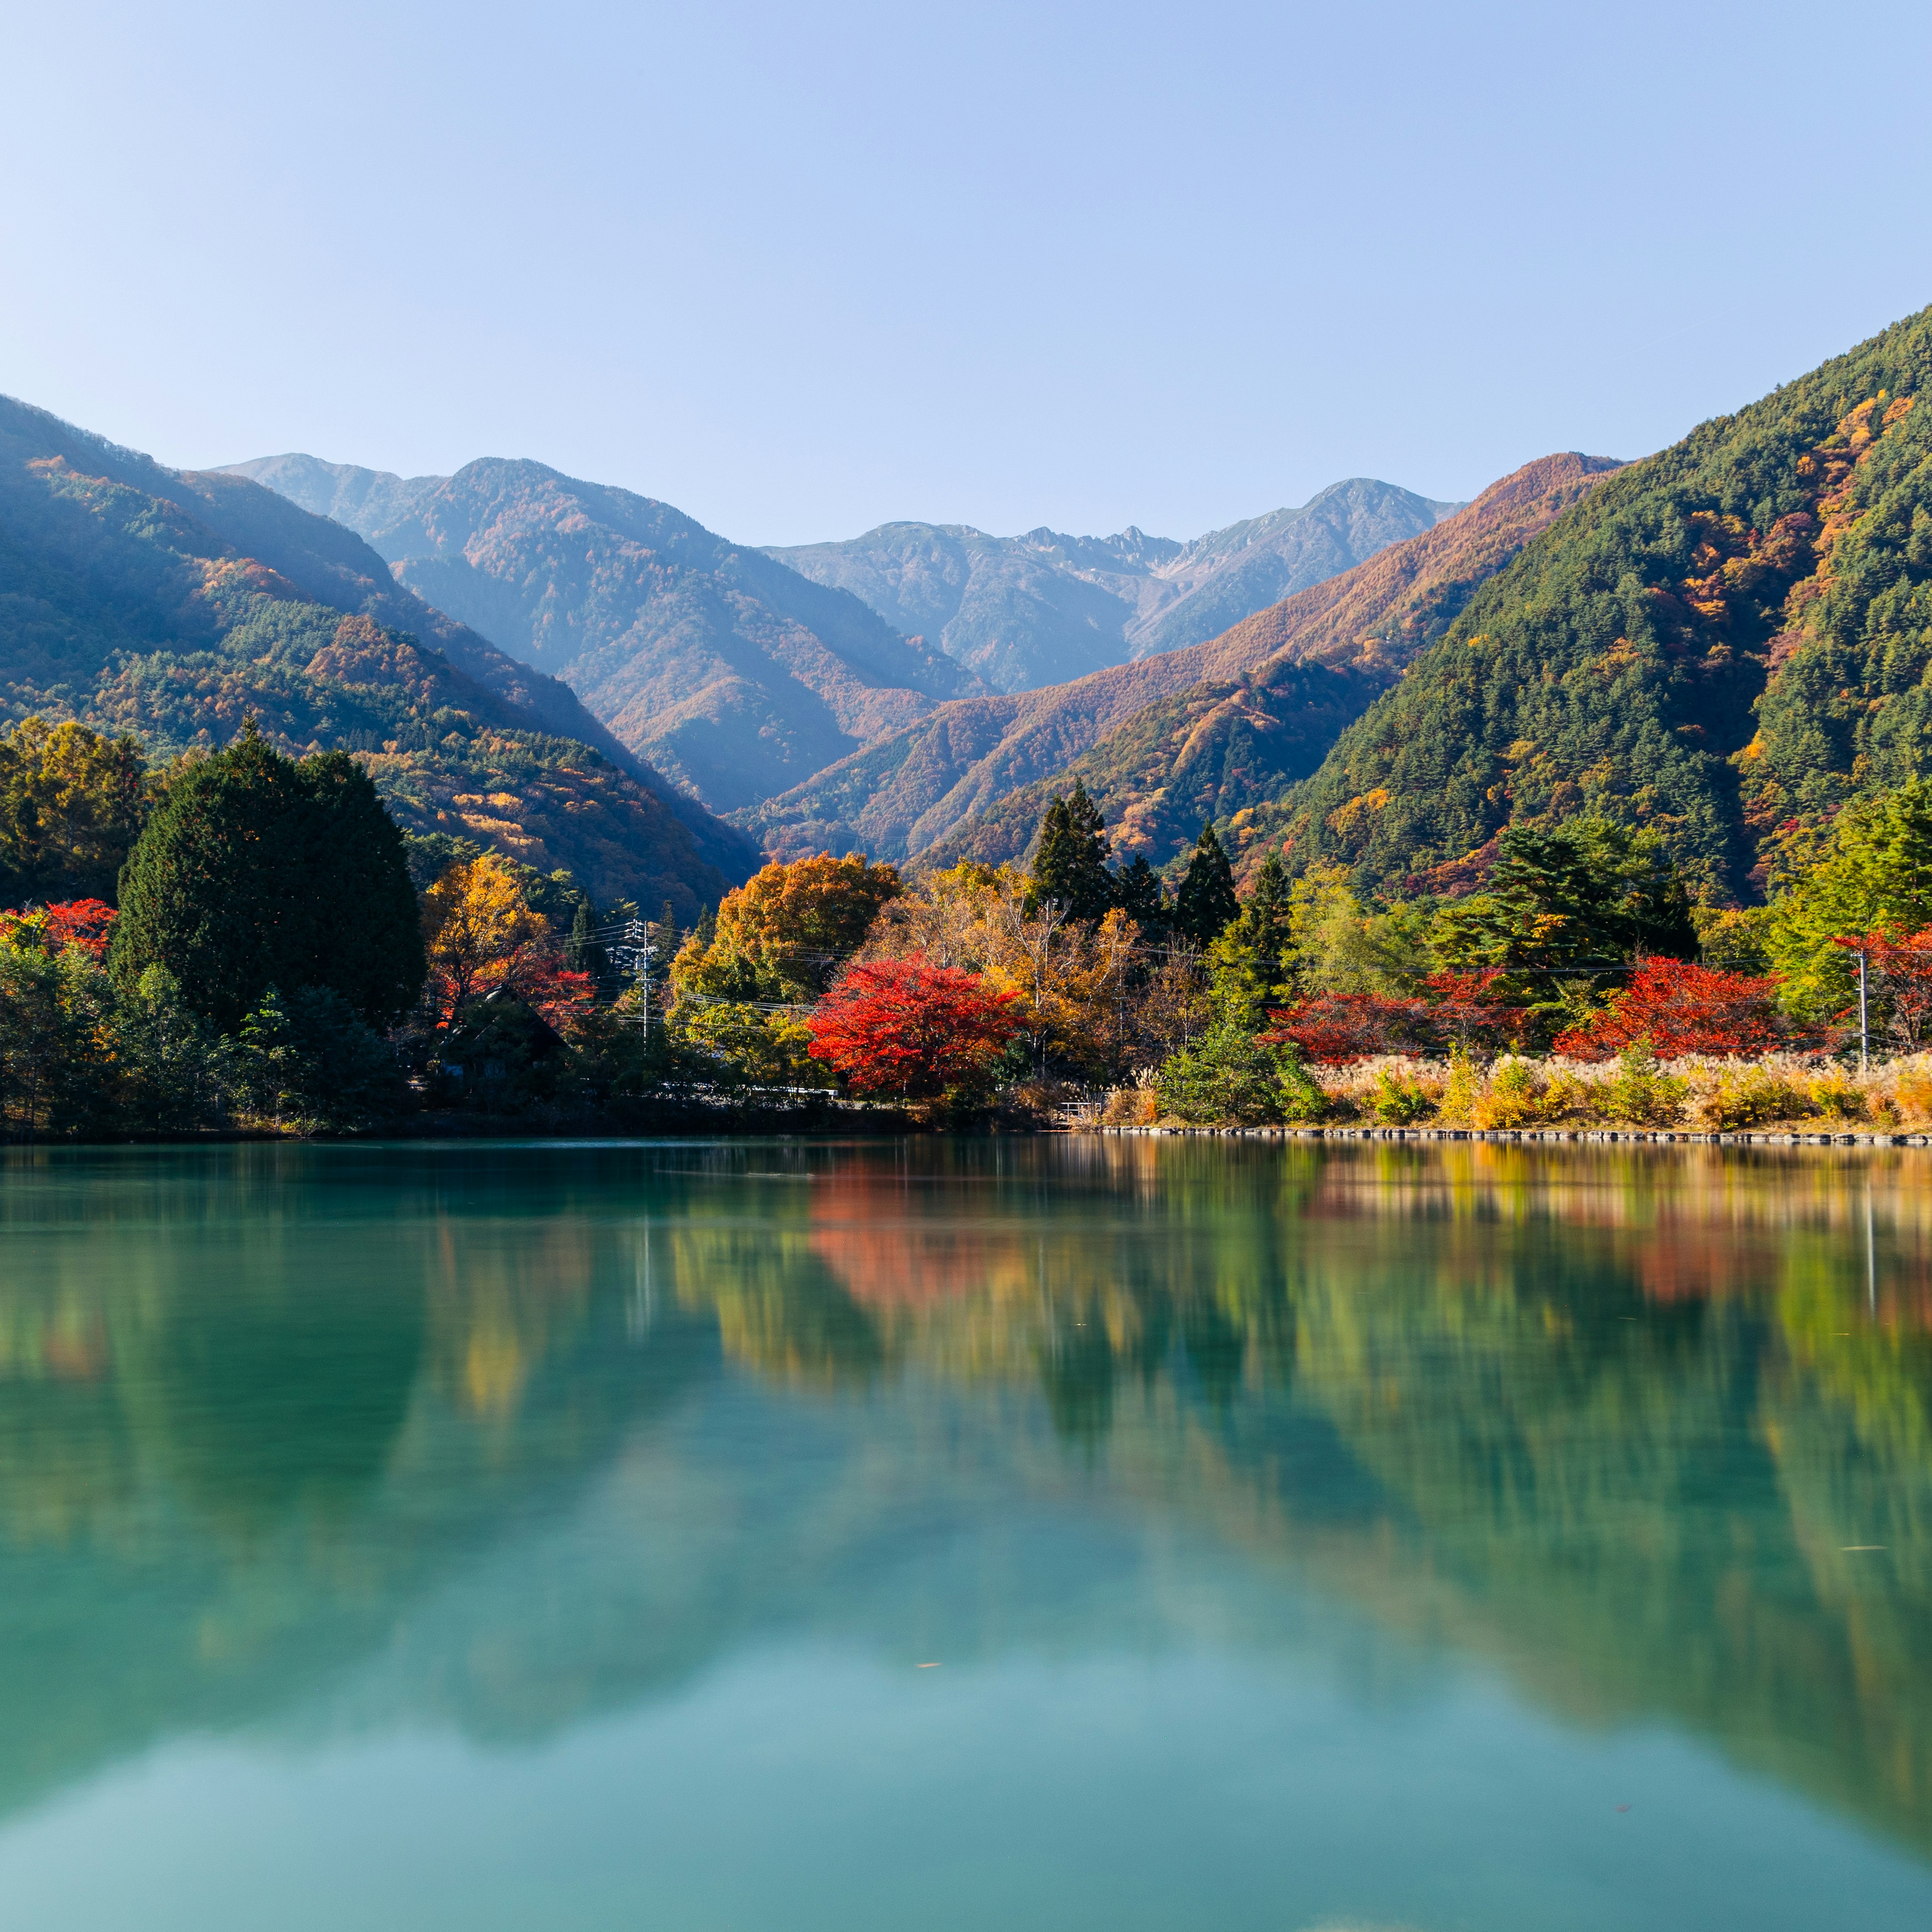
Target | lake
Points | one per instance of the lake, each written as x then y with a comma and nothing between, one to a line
1009,1533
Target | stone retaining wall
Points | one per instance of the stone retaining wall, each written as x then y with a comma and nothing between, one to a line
1514,1134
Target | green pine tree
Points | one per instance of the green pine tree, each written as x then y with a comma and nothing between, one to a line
256,871
582,954
1206,904
1142,899
1873,871
1070,863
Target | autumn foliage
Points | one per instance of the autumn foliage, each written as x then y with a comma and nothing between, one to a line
480,935
1677,1007
85,923
911,1029
1460,1009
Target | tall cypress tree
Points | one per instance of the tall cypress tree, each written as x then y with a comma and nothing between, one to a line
1206,903
1070,863
256,871
581,952
1141,898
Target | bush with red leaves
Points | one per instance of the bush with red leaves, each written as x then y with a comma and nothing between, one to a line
83,922
912,1030
1680,1007
1462,1010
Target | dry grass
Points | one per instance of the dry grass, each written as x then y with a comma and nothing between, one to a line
1781,1091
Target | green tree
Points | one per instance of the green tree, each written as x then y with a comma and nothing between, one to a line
257,872
1142,899
1206,902
582,954
1588,894
1070,863
1249,961
71,803
58,1076
1872,871
179,1071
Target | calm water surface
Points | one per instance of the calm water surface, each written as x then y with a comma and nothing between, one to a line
1006,1534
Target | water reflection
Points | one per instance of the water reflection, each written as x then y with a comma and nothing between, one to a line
509,1436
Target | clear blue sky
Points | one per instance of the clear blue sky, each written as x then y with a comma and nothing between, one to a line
799,270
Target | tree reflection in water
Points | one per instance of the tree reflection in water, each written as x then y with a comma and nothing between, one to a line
1652,1430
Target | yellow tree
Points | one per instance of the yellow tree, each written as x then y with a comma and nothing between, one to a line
480,933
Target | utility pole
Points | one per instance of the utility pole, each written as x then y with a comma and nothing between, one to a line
637,940
1865,1024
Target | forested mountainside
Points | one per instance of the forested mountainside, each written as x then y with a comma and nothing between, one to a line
939,787
124,603
1726,641
1043,608
733,674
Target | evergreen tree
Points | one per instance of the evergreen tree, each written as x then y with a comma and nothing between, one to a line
1873,873
1249,963
257,872
1142,899
1206,903
1588,895
1070,864
582,954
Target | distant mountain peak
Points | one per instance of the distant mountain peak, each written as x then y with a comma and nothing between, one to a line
1044,607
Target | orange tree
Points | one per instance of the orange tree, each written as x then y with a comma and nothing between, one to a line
909,1030
807,919
480,934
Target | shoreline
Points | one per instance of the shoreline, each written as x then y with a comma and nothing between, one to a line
1595,1136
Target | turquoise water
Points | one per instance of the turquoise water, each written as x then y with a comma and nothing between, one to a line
1019,1533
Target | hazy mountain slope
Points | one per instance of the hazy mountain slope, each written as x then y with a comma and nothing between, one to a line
1731,635
912,793
733,674
1043,608
1222,746
333,566
119,605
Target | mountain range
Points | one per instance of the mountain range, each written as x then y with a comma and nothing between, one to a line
735,675
1045,608
169,604
1267,697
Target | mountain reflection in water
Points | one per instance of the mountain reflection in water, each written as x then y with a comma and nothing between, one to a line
298,1436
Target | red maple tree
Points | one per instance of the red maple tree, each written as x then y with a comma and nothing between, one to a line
1679,1007
1334,1028
1460,1008
83,922
910,1029
1899,965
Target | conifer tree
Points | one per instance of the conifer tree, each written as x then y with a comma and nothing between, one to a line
1206,902
1070,864
582,953
1142,897
257,872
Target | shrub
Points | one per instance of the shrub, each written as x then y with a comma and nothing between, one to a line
1227,1075
1132,1107
1912,1094
1837,1097
1513,1099
1398,1100
1639,1092
1757,1098
1460,1093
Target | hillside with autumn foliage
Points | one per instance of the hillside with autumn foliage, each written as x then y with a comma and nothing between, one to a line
1725,643
974,778
126,605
